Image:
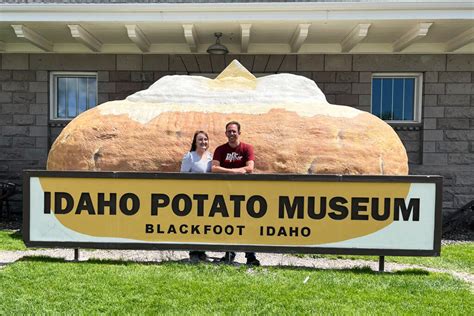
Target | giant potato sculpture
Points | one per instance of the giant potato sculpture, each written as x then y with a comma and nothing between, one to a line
286,117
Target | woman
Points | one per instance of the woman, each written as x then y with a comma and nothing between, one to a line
198,159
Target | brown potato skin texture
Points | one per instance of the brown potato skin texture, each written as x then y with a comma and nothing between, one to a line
284,142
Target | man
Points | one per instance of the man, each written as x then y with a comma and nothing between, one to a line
234,157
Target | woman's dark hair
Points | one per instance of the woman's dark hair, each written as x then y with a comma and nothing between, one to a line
193,144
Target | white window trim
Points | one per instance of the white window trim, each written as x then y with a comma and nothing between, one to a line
417,98
53,90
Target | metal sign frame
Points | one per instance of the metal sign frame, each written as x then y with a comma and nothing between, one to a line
435,251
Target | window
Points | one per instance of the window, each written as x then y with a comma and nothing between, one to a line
72,93
397,97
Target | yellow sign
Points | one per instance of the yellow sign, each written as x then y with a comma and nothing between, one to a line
232,211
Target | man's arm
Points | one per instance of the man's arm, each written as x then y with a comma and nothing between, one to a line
249,166
216,167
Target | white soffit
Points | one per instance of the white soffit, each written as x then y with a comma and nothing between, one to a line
301,27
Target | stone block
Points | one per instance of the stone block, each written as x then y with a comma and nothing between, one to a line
306,74
35,154
361,88
429,123
72,62
288,64
324,76
38,109
5,97
454,100
41,75
444,123
177,64
5,75
429,147
412,146
365,100
461,62
38,87
331,98
455,76
274,63
347,99
129,62
260,63
102,98
347,76
161,74
41,97
204,63
142,76
399,62
461,112
365,76
460,88
461,159
363,108
23,119
461,200
41,120
24,97
459,135
430,76
217,63
409,135
14,108
38,131
15,86
128,87
433,111
435,159
434,88
465,178
337,88
6,142
433,135
24,142
119,76
102,76
156,62
452,147
15,130
430,100
15,61
6,119
338,63
11,154
23,75
41,142
106,87
413,158
310,62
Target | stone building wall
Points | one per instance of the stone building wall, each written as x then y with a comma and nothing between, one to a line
442,144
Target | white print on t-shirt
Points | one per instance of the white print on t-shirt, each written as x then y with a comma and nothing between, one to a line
233,157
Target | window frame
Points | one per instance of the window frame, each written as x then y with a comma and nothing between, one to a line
53,108
417,98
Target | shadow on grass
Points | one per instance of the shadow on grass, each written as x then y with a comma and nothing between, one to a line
354,270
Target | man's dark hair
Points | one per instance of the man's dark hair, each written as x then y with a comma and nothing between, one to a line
232,123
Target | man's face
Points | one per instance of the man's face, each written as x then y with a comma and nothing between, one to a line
232,133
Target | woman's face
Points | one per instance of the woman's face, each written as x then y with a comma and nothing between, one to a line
202,142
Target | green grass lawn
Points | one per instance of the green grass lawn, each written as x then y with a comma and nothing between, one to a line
42,285
11,240
458,257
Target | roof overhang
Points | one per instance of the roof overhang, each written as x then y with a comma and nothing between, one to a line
257,28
